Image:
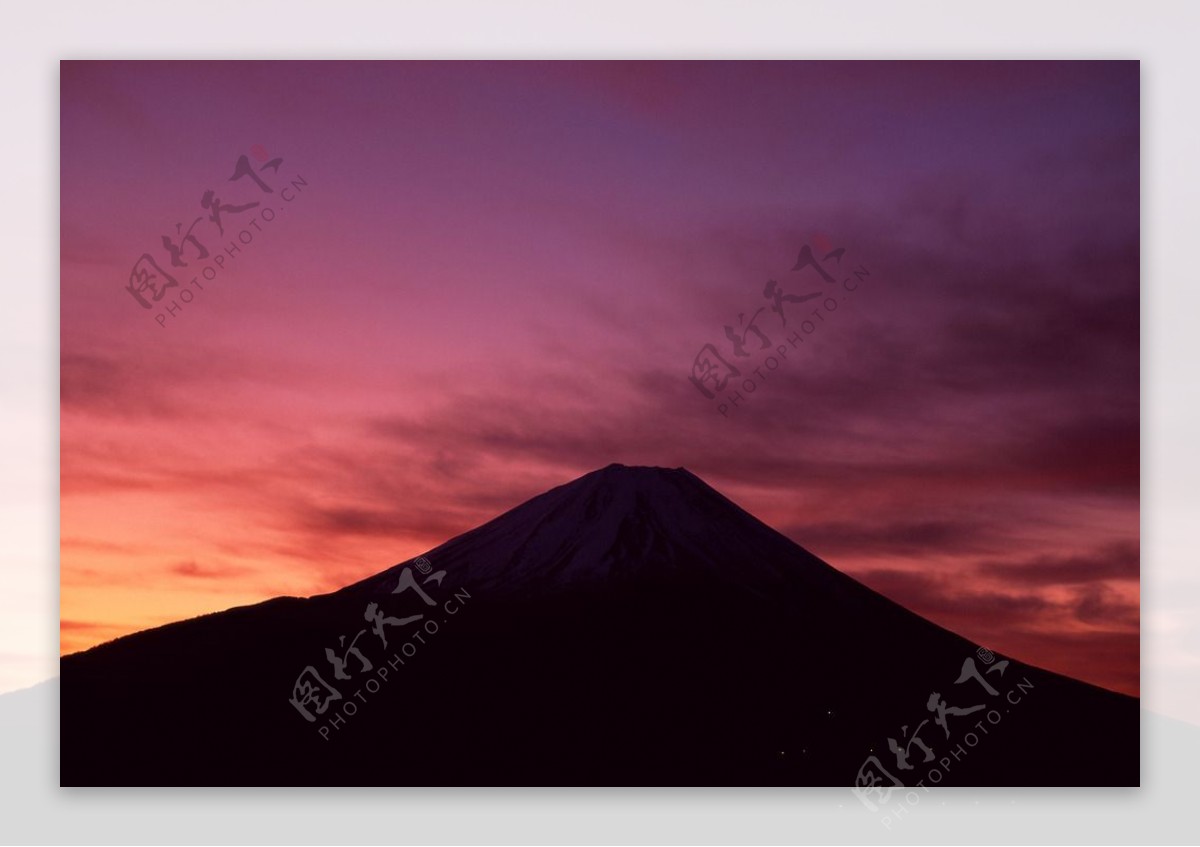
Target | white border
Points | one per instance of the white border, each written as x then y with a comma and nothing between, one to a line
35,36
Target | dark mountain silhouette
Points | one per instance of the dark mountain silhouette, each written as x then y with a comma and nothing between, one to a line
633,627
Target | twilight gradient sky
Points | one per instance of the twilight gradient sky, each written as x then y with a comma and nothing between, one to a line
498,275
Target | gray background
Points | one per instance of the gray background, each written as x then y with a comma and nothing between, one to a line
1161,34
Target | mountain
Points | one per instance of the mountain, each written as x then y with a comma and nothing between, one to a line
631,628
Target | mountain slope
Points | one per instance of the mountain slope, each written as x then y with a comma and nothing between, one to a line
633,627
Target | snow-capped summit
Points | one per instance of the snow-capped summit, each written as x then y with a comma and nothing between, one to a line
631,627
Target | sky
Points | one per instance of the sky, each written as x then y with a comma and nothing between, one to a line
481,280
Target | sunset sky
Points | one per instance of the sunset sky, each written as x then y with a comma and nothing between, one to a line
490,279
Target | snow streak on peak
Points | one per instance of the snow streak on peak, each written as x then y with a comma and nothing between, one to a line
620,525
